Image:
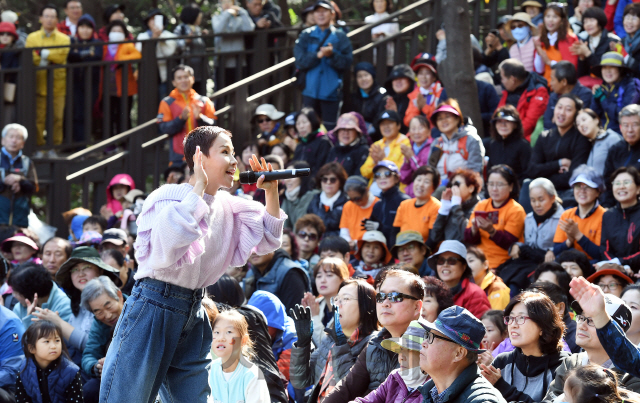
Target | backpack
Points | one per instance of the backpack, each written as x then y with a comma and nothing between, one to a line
437,151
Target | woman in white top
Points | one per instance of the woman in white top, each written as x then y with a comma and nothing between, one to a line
231,18
381,9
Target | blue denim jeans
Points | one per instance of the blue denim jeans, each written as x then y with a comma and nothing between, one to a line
161,343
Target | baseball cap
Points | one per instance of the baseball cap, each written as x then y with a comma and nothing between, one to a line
323,4
390,165
460,326
115,236
389,115
615,307
456,247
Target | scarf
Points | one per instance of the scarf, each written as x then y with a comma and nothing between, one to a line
310,137
631,42
542,218
553,38
292,195
413,377
327,381
329,201
430,93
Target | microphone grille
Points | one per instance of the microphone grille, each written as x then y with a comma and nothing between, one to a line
245,177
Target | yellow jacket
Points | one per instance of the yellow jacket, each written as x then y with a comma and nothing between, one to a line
56,56
496,290
395,156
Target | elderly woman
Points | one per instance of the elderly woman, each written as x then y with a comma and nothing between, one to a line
355,322
358,208
352,149
83,266
329,202
450,266
581,227
539,228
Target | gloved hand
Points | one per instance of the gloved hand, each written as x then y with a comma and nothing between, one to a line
336,333
599,94
304,325
44,57
370,225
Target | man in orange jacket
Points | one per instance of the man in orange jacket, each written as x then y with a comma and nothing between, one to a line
182,111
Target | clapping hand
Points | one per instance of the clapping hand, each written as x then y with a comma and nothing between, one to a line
376,153
486,358
304,325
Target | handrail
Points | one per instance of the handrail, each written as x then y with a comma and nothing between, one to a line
97,165
388,18
394,36
111,140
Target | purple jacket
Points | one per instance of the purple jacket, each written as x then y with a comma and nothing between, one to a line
392,390
412,164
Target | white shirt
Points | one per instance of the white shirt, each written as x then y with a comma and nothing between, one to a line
72,27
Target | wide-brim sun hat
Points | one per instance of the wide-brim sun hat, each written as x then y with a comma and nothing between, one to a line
373,236
612,59
613,272
269,111
460,326
85,254
522,17
531,3
7,243
347,121
456,247
411,339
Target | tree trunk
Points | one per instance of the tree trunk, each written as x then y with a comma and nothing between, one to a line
456,70
286,18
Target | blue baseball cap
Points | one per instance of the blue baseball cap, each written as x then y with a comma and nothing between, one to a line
460,326
390,165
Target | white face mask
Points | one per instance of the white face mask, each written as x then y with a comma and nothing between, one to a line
116,36
413,377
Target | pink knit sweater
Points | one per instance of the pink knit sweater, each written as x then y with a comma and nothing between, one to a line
190,241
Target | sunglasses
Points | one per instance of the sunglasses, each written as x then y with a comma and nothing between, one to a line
329,179
450,261
393,297
308,236
265,120
384,174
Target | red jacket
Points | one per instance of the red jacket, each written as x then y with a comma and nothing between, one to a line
532,103
472,298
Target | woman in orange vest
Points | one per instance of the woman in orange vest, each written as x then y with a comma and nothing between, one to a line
554,44
118,32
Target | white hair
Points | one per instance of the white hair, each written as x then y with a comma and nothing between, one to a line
15,126
96,288
545,184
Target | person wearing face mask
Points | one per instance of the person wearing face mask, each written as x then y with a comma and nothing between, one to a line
522,30
117,31
404,382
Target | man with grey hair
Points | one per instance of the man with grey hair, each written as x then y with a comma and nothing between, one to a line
626,153
18,179
102,298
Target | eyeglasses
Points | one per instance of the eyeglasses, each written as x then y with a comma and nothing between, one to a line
582,318
497,184
610,286
393,297
308,236
384,174
82,269
449,261
407,248
630,17
519,320
626,182
341,300
265,120
329,179
429,337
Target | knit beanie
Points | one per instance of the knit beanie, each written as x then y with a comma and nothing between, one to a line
366,66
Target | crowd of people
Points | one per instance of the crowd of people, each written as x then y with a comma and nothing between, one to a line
418,261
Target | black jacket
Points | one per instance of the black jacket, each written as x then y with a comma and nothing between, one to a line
330,218
402,100
620,155
621,235
371,106
550,148
513,151
532,375
606,37
469,387
351,157
264,358
385,211
314,151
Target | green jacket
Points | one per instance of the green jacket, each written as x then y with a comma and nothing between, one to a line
298,208
469,387
556,388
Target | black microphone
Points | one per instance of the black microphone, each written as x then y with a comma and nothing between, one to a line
249,177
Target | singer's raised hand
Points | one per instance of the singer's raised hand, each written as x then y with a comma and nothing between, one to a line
199,174
262,166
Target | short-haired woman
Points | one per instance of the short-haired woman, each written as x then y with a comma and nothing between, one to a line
329,202
535,329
